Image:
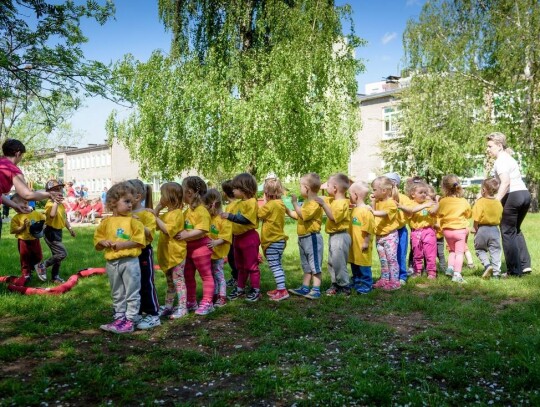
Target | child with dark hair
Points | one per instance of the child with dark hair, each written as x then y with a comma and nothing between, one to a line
227,189
487,214
246,239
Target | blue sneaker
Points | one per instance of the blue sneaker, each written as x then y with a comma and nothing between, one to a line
313,295
302,291
363,290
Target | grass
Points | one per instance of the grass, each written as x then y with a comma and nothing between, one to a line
431,343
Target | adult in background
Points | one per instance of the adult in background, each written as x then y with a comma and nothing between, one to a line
516,200
12,176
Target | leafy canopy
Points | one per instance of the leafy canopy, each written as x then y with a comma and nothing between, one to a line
261,85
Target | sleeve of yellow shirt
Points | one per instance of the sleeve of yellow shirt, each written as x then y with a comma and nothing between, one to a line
264,211
340,210
174,222
249,210
225,231
138,232
100,233
15,224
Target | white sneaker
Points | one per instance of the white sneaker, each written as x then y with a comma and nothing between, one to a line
458,278
149,322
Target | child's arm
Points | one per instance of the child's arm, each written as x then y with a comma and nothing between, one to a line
68,226
365,243
411,210
190,234
236,218
215,242
380,214
326,208
126,245
291,214
54,208
20,229
104,244
475,227
297,207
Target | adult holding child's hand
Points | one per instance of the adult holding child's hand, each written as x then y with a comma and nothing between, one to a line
516,200
12,176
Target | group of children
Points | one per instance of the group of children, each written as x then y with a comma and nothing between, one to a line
195,233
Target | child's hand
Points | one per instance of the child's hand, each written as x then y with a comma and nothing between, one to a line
213,243
152,211
72,232
224,215
294,198
319,200
106,243
365,247
180,235
26,222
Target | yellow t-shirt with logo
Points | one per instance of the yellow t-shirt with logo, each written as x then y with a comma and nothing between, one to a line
362,224
120,229
454,213
402,217
487,211
220,229
385,225
248,208
59,221
149,221
171,252
312,214
18,221
272,215
197,219
342,216
422,219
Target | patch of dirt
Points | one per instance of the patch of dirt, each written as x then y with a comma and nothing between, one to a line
406,326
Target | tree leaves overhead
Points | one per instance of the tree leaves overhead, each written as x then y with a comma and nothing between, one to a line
263,86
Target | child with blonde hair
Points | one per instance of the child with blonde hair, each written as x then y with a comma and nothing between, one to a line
337,227
220,243
199,255
273,237
246,239
453,214
171,252
361,230
121,237
487,214
385,210
310,241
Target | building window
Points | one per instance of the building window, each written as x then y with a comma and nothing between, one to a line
60,166
390,119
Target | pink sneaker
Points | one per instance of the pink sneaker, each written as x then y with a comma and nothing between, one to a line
280,295
432,276
120,326
205,308
220,302
381,283
391,286
271,293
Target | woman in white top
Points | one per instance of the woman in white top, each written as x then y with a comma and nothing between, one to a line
516,200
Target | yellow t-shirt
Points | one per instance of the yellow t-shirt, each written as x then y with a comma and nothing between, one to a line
487,211
312,214
342,216
59,221
362,224
220,229
248,208
171,252
402,217
422,219
120,229
18,221
272,215
149,221
231,206
197,219
454,213
385,225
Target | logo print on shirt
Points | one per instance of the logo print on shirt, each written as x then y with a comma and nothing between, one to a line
187,225
214,230
356,222
121,234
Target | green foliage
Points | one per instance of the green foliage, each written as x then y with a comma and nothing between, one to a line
475,68
262,86
42,68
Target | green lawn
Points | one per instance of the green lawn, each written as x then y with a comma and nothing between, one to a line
431,343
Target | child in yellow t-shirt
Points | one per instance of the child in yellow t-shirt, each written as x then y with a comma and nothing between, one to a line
220,243
55,221
337,227
29,246
385,210
487,214
121,238
361,230
310,241
273,238
171,253
227,189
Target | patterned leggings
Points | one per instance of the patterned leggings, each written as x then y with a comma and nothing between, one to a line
219,278
387,249
273,254
176,287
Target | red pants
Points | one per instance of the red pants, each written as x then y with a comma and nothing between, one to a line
30,252
199,256
246,258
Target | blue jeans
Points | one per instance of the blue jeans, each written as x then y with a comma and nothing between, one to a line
403,243
362,279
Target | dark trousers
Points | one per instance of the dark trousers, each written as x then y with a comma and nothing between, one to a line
58,253
230,260
149,298
30,252
516,205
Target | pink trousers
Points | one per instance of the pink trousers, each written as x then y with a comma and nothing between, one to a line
456,239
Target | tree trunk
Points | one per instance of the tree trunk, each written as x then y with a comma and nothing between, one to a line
533,189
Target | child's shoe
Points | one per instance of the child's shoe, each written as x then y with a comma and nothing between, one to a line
58,280
363,290
344,290
178,313
165,311
381,283
254,295
192,306
432,276
314,294
271,293
236,293
333,290
449,272
220,302
112,327
488,271
205,308
302,291
458,278
280,295
231,282
416,274
149,322
470,266
120,326
391,286
41,271
410,271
